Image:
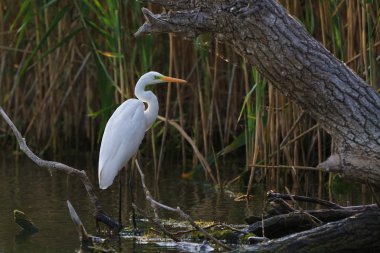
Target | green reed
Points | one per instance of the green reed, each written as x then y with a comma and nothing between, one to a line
66,65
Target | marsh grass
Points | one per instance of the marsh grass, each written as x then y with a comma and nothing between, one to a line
66,65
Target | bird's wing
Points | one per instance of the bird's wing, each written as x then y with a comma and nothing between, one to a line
121,139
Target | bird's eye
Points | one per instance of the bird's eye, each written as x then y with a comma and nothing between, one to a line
156,77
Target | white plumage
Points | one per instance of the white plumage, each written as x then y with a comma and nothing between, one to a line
125,129
118,144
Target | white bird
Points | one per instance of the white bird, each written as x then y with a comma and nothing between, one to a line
126,128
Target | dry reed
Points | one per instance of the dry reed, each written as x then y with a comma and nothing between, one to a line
65,66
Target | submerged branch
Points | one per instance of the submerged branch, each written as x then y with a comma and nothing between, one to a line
83,235
99,213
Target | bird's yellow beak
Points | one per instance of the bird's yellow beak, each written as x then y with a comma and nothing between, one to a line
172,79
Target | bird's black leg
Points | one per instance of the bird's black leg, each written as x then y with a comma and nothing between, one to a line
121,182
131,188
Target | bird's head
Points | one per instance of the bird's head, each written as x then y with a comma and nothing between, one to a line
153,77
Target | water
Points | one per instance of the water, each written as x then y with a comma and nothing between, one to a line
42,196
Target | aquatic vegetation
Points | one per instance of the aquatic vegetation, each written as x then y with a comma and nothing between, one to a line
230,110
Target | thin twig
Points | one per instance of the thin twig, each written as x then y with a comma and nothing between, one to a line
192,222
262,225
284,167
156,222
177,210
374,194
298,136
231,228
209,227
313,220
272,195
99,213
147,192
292,128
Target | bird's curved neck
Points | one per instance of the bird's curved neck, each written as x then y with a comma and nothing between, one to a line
148,97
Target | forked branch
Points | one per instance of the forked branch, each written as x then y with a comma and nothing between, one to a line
99,214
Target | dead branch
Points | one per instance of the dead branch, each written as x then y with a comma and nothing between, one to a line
88,242
313,220
273,195
99,214
177,210
83,235
284,167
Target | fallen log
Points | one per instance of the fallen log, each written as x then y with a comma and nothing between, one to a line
280,225
358,233
285,224
282,219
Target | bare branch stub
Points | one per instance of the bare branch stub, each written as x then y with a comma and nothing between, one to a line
189,23
99,213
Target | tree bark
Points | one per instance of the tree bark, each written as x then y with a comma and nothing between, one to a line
286,224
295,63
361,232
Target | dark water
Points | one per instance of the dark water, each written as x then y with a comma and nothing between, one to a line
42,195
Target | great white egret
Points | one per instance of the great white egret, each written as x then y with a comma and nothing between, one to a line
126,127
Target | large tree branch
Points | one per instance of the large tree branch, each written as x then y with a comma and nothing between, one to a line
295,63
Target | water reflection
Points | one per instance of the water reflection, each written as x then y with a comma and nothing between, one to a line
42,196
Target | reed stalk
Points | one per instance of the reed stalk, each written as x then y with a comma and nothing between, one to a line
66,65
